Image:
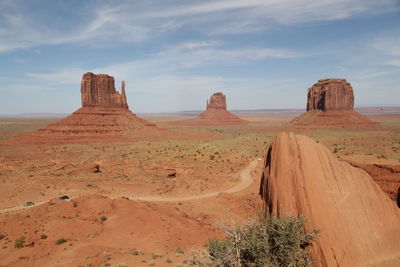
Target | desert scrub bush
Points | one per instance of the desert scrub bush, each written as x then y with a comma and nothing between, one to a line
20,242
136,252
60,241
179,251
268,241
157,255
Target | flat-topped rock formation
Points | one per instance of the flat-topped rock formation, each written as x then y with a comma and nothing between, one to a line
330,103
216,114
330,94
104,114
217,101
358,222
98,90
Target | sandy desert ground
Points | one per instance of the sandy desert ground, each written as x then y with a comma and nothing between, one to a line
180,189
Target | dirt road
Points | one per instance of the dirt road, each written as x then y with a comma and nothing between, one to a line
245,181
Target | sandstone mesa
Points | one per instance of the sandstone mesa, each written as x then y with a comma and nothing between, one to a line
330,104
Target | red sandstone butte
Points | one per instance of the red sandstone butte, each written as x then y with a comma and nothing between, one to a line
216,114
99,91
358,222
104,114
330,103
217,101
330,94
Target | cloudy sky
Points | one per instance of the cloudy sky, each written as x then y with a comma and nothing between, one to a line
173,54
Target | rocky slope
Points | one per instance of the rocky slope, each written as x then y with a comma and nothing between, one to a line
386,176
358,222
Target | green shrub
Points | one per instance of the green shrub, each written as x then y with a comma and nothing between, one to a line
136,252
157,255
61,241
20,242
268,241
179,251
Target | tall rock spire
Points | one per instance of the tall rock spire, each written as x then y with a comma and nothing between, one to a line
124,103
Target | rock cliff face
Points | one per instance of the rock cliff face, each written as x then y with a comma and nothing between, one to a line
98,90
215,114
330,104
358,222
217,101
330,94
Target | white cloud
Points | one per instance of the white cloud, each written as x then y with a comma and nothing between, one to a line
64,76
387,48
139,21
174,59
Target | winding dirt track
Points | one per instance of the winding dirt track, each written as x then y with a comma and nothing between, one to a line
245,181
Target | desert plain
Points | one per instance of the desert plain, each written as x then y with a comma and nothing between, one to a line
149,201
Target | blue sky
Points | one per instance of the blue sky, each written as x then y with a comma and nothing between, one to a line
173,54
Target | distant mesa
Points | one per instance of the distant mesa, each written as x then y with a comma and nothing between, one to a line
330,94
217,101
104,114
216,114
330,104
358,222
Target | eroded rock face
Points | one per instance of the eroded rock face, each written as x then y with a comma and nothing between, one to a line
98,90
217,101
330,94
358,222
